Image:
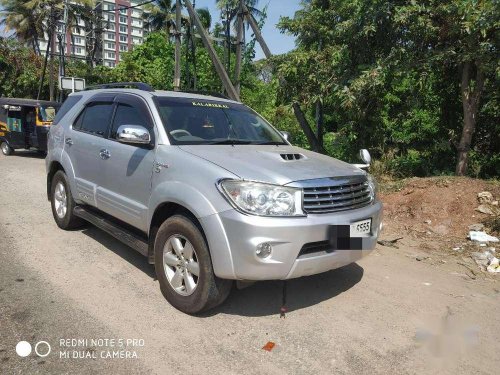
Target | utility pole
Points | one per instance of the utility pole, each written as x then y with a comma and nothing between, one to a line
239,46
228,85
177,71
52,31
228,39
193,49
44,68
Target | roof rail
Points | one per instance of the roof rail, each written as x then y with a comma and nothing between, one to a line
209,93
134,85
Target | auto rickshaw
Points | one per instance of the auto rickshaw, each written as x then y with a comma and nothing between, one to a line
24,123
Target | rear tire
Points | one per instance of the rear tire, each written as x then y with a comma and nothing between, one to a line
62,203
6,149
184,267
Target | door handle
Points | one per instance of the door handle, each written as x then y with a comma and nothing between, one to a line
104,154
68,141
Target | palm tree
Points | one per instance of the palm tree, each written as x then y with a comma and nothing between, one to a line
229,10
205,17
159,15
26,23
32,19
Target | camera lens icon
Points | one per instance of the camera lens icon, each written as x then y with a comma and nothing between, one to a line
42,349
23,348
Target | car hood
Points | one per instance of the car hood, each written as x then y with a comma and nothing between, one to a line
266,163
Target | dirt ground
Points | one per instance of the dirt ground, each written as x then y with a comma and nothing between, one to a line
389,313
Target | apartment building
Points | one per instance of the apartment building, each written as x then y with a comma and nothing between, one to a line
122,28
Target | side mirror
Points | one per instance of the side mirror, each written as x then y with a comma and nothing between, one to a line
287,136
365,156
133,134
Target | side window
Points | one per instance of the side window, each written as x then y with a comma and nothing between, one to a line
128,115
95,118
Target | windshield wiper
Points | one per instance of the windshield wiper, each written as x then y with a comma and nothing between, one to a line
276,143
231,142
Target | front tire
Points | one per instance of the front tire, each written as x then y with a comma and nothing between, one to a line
62,203
184,267
6,149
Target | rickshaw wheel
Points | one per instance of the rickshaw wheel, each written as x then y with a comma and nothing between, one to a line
6,149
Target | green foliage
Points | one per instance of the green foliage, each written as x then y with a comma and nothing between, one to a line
20,70
388,74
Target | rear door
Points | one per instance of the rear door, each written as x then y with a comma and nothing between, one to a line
86,144
127,177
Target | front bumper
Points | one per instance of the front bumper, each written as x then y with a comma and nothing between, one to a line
233,238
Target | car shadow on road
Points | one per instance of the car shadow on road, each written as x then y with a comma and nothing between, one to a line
265,297
122,250
260,299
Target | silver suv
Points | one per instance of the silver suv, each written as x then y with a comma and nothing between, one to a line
206,189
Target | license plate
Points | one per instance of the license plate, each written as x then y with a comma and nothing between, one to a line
361,228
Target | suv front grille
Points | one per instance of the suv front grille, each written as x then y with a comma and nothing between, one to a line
340,194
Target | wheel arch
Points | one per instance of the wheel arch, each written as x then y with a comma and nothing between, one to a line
162,212
54,167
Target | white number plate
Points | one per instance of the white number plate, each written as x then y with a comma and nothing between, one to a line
361,228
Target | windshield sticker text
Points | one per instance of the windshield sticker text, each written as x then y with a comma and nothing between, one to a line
213,105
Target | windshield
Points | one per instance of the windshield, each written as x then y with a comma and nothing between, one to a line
195,121
47,113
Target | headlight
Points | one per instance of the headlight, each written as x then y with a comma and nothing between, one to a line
372,185
263,199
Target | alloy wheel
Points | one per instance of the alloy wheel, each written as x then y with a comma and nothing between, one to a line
180,264
60,200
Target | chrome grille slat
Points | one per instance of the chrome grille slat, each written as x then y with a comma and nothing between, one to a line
334,189
336,197
339,204
336,194
321,211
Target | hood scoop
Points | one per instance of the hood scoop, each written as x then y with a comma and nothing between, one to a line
290,157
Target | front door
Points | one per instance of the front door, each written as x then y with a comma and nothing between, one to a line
127,183
86,143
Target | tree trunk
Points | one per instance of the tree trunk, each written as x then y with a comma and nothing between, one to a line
470,105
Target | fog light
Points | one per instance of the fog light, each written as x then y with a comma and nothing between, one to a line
264,250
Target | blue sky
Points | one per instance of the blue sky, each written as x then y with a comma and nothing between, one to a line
278,43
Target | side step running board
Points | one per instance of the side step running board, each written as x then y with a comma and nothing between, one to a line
117,231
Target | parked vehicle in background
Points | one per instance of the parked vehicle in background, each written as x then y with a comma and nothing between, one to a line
206,189
25,123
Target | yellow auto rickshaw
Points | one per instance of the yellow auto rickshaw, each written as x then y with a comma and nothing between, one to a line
24,123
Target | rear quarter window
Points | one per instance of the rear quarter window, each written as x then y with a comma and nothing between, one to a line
69,103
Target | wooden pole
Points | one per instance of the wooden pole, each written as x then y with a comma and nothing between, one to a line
239,47
304,124
256,32
177,71
231,91
301,118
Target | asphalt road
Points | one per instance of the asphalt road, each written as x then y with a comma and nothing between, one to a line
388,313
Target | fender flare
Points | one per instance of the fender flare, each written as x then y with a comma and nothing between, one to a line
182,194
